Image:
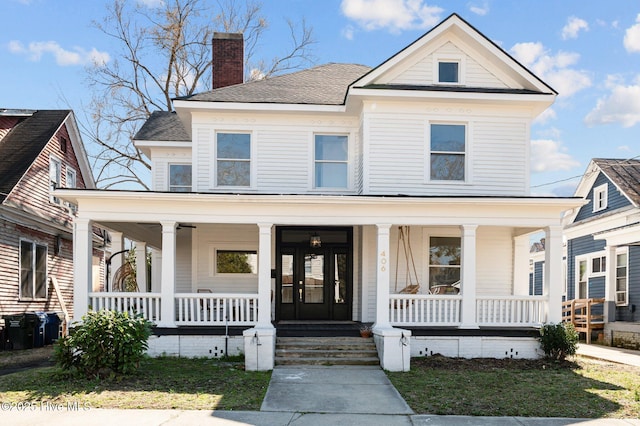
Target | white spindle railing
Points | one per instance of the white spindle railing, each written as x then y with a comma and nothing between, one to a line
216,309
145,304
511,310
424,309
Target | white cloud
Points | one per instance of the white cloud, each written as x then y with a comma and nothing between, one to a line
348,32
621,106
78,56
547,156
624,148
546,116
395,15
480,10
151,3
573,27
554,69
632,37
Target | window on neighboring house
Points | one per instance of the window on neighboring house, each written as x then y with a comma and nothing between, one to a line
33,270
447,152
582,285
71,183
55,172
600,198
180,177
444,265
448,72
233,159
236,262
622,281
598,265
63,144
331,161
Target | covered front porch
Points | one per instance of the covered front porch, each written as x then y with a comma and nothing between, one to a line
366,274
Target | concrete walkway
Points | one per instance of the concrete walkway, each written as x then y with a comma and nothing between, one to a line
607,353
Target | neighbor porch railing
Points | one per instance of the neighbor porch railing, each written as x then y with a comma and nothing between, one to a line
511,311
145,304
425,309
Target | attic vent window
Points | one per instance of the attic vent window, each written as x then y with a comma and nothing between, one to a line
63,144
448,72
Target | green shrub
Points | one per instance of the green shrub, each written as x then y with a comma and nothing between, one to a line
558,340
105,343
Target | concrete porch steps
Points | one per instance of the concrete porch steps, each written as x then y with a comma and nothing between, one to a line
326,351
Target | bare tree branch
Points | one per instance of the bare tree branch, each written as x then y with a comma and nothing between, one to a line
164,53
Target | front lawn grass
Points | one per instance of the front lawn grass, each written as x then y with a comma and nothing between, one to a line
529,388
159,383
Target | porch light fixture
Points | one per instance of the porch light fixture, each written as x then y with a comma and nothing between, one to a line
314,241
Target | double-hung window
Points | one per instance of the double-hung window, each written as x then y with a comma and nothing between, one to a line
447,152
71,183
600,198
331,154
582,290
33,270
444,264
55,177
233,159
622,279
179,177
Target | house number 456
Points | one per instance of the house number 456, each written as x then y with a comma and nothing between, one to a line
383,261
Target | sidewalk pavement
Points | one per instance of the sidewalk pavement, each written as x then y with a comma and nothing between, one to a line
608,353
310,396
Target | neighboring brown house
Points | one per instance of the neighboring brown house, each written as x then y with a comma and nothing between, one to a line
39,150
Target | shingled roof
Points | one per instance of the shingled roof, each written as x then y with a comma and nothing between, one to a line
24,142
625,174
321,85
163,126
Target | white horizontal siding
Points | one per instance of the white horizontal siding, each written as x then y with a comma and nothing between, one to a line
203,138
283,160
161,160
494,263
183,261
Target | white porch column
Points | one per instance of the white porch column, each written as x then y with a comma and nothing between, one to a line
382,278
521,265
117,245
610,286
168,278
264,276
468,276
552,286
141,265
82,267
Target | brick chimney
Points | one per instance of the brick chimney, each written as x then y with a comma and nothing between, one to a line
228,59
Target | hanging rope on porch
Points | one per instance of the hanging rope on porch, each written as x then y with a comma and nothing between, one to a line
411,286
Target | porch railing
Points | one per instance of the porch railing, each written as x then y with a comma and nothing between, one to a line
526,311
216,309
424,309
145,304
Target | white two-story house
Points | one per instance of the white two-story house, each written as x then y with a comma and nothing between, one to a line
396,195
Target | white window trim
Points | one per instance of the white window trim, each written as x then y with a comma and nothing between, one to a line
427,233
584,258
467,153
213,253
252,160
597,191
169,174
460,59
312,167
597,255
33,243
55,160
71,172
621,250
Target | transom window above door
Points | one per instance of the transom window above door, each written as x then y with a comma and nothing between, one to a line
447,152
233,159
331,156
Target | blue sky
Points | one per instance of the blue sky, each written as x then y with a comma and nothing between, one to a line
589,51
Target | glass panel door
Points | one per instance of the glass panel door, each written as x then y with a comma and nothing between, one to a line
313,289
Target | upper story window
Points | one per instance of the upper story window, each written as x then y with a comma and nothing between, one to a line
180,177
33,270
233,159
331,161
63,144
71,178
447,154
600,198
55,177
448,72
